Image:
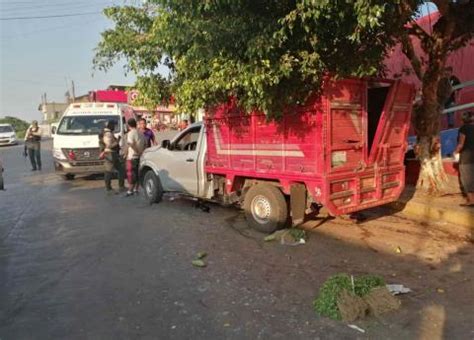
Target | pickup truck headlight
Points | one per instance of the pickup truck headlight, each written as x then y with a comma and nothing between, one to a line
58,154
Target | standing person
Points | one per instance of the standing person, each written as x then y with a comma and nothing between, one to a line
111,156
183,125
465,149
33,145
447,95
135,146
1,176
148,133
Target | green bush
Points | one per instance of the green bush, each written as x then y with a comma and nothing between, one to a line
326,302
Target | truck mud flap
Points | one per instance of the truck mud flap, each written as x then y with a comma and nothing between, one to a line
297,203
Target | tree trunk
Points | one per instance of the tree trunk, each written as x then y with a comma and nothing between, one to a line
432,179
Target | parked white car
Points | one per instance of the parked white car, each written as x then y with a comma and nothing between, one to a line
7,135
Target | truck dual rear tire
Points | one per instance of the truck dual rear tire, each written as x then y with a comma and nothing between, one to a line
152,187
265,208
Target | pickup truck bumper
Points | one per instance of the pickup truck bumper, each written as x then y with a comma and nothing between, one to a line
78,168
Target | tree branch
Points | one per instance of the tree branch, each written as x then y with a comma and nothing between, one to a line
418,31
409,51
442,5
459,42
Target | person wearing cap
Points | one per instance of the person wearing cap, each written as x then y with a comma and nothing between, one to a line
111,157
33,145
465,149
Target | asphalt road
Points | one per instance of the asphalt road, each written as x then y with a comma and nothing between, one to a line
76,263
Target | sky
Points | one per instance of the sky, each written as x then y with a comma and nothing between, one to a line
43,55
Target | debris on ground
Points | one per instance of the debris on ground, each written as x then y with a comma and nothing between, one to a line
396,289
343,297
199,263
357,328
288,237
351,306
398,250
381,301
201,205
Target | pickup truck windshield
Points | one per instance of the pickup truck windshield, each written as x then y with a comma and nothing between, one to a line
86,125
5,129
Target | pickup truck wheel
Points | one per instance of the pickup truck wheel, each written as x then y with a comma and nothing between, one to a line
152,187
265,208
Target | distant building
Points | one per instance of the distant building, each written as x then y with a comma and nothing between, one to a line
52,111
165,114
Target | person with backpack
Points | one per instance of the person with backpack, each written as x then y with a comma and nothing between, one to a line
33,145
110,150
136,144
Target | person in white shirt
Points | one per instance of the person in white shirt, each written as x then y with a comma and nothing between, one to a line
135,145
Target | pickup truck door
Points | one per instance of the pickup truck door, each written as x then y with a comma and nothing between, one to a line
182,171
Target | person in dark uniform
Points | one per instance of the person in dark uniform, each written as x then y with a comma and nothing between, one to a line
465,149
110,154
446,93
33,145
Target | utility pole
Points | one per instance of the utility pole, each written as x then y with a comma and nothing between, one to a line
73,91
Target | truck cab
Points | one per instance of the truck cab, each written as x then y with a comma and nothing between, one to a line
176,165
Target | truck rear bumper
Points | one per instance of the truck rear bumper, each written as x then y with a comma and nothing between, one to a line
85,168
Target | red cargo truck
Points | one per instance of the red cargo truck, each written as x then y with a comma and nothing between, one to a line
343,150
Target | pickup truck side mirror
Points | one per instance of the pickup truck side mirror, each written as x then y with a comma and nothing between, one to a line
165,144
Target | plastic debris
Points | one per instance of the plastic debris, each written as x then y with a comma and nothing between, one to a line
199,263
396,289
398,250
357,328
269,238
440,290
201,255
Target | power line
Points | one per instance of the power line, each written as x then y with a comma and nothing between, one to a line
49,29
62,6
50,16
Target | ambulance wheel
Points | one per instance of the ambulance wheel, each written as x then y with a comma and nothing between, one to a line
265,208
68,177
152,187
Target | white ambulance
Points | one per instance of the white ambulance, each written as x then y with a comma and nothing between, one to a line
76,139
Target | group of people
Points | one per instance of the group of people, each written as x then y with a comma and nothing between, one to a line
114,152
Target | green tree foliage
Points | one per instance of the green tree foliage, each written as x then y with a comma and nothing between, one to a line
266,53
272,53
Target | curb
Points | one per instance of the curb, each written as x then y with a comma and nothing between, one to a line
460,217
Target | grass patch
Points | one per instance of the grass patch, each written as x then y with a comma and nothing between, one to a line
326,302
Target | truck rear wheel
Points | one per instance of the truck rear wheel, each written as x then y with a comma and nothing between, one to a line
265,208
152,187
